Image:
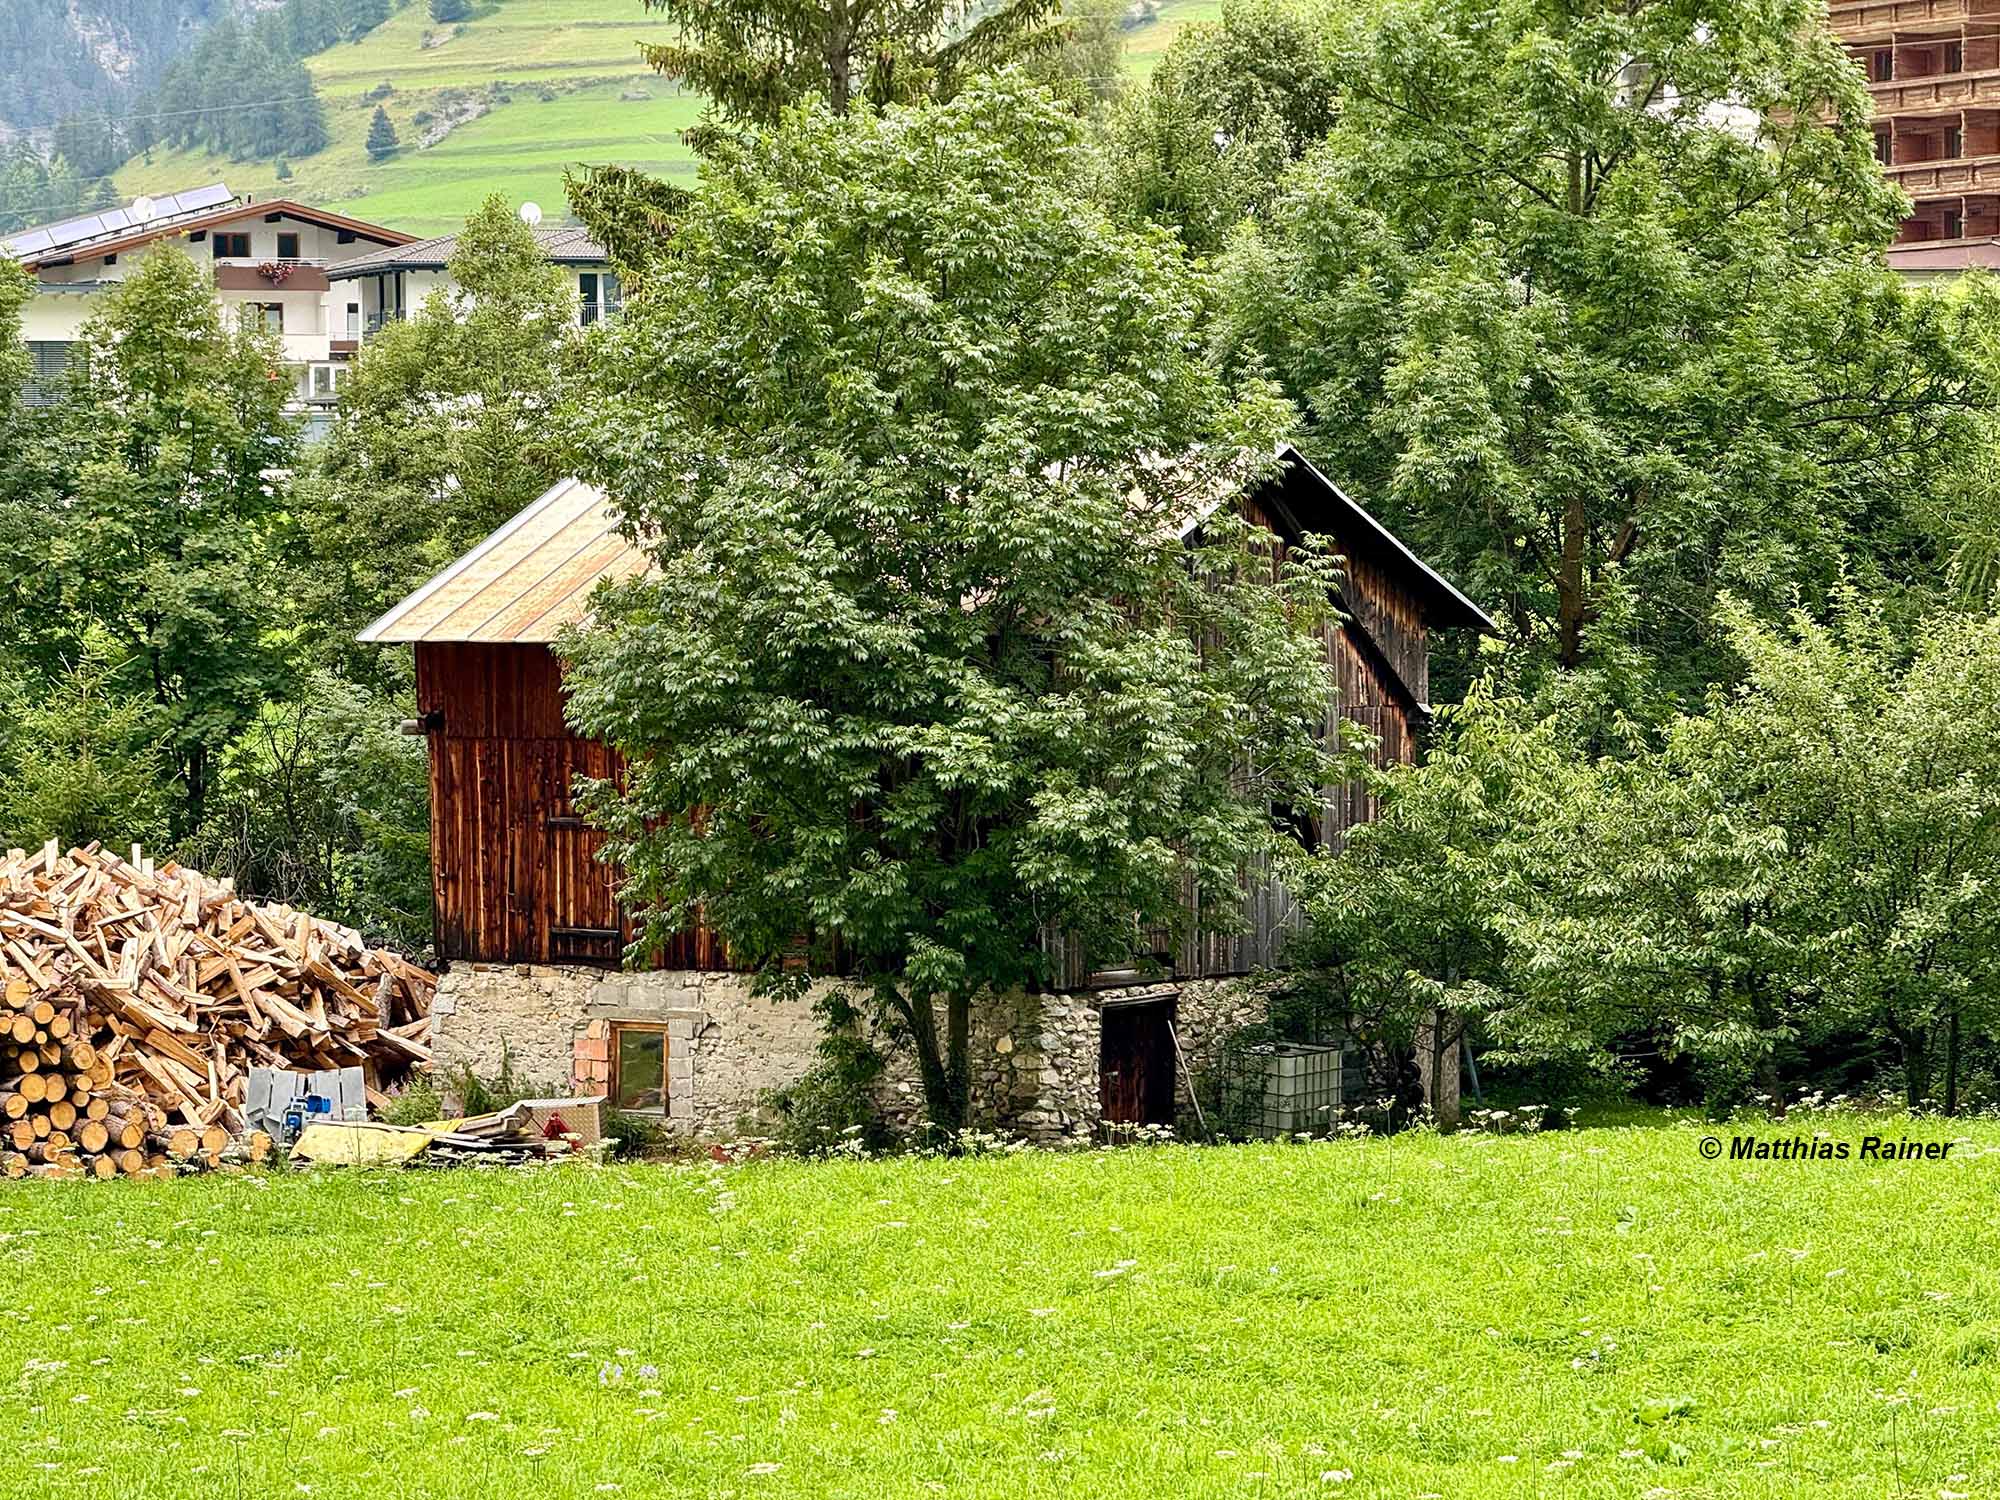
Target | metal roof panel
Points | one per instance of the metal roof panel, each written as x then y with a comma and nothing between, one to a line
525,582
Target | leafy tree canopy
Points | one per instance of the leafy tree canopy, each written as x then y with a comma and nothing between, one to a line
449,423
152,519
755,58
1229,109
914,431
1589,299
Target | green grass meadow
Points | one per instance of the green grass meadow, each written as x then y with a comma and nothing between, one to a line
584,52
1592,1313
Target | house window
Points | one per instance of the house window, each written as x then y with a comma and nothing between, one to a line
1954,224
1954,57
639,1068
1882,66
232,245
272,314
1953,143
324,382
288,247
1882,147
46,360
602,296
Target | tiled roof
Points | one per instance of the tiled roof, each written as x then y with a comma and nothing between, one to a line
568,245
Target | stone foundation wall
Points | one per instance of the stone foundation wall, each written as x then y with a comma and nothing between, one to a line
1034,1057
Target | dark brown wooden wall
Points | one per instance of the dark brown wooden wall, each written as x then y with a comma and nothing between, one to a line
515,876
1379,654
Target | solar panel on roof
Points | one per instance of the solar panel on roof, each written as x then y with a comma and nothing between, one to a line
86,227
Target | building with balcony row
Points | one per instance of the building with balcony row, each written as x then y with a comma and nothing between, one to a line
321,281
1933,70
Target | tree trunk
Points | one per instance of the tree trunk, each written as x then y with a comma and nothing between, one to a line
1916,1064
930,1059
1569,586
1951,1050
1438,1040
958,1058
839,60
944,1063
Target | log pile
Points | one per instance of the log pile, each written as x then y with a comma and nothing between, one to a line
134,1000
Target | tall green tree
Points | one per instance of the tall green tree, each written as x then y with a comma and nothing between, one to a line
1874,752
449,423
1230,108
755,58
922,642
169,443
383,141
1589,298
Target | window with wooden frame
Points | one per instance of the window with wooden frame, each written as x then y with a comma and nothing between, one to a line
231,245
639,1068
288,246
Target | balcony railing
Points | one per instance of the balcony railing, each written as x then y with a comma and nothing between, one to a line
1948,175
1936,91
1869,17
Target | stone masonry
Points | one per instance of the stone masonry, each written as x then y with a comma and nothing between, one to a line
1034,1057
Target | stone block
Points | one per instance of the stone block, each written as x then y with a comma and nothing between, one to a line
594,1049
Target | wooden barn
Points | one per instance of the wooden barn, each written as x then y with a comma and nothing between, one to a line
514,873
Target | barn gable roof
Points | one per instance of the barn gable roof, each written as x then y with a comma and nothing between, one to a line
526,581
1304,500
533,576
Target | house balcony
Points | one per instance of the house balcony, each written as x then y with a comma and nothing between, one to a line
1933,179
1943,91
1852,19
271,276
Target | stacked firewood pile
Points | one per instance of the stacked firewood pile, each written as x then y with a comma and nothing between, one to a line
134,1000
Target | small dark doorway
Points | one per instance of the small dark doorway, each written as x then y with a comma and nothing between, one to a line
1135,1063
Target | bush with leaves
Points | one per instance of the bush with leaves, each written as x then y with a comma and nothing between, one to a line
79,760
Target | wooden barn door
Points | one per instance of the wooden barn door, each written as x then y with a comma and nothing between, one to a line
1135,1065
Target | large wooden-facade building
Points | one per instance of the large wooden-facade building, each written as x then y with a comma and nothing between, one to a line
515,873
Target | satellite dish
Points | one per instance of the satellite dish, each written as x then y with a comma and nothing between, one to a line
143,208
531,213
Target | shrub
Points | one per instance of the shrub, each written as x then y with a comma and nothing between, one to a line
634,1135
482,1096
417,1104
833,1104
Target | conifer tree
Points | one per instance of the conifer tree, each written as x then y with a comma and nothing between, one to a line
382,140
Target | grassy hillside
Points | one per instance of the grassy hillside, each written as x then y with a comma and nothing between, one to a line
540,85
1600,1313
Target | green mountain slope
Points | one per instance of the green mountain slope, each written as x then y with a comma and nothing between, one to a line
500,103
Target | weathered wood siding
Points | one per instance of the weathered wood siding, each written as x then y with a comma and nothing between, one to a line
1380,656
515,873
515,876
